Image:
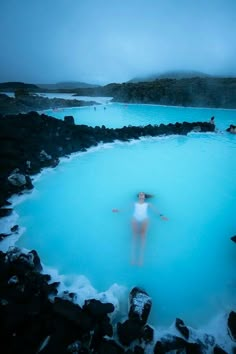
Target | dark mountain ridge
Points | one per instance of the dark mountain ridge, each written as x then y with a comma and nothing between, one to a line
67,85
191,92
15,85
177,74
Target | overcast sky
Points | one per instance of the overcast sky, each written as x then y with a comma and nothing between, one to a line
101,41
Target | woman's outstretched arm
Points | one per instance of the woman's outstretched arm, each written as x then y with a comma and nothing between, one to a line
163,217
126,208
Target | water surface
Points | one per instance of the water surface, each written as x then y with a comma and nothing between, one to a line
117,115
189,268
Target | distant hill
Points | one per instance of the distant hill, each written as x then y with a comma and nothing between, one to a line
66,85
12,86
187,92
181,74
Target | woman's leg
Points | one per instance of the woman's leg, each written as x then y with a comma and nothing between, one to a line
134,241
144,227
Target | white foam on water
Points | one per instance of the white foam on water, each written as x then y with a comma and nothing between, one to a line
81,286
118,296
7,222
11,240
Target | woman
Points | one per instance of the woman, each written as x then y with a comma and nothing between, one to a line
140,224
232,129
212,120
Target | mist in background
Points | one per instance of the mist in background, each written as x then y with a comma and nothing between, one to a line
101,41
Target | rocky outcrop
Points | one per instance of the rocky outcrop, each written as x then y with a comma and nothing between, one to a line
30,142
27,103
232,324
35,318
134,327
140,305
182,328
187,92
233,238
69,120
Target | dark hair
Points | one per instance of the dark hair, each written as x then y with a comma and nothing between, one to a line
146,195
230,127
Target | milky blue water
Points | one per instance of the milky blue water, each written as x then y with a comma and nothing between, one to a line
189,265
118,115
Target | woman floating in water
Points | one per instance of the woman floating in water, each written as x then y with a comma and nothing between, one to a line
212,120
231,129
140,225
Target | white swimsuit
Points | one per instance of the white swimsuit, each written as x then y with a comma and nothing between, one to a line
140,211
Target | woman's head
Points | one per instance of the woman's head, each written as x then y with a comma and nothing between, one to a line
142,195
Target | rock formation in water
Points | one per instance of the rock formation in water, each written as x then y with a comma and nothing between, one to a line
35,318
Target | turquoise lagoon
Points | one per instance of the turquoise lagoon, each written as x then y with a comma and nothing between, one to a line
189,267
117,115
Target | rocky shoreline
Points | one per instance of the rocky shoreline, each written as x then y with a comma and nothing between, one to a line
34,317
28,102
29,142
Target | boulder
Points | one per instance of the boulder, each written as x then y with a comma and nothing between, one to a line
140,305
218,350
28,184
179,324
109,347
137,350
73,313
15,228
102,328
17,179
97,309
233,238
169,343
69,120
147,334
43,156
232,325
129,331
5,212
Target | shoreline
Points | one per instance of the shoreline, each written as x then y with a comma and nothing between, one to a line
158,333
90,103
213,334
192,107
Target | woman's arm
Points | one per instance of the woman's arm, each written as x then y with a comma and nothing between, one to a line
115,210
163,217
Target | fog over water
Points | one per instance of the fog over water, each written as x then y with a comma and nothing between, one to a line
101,41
